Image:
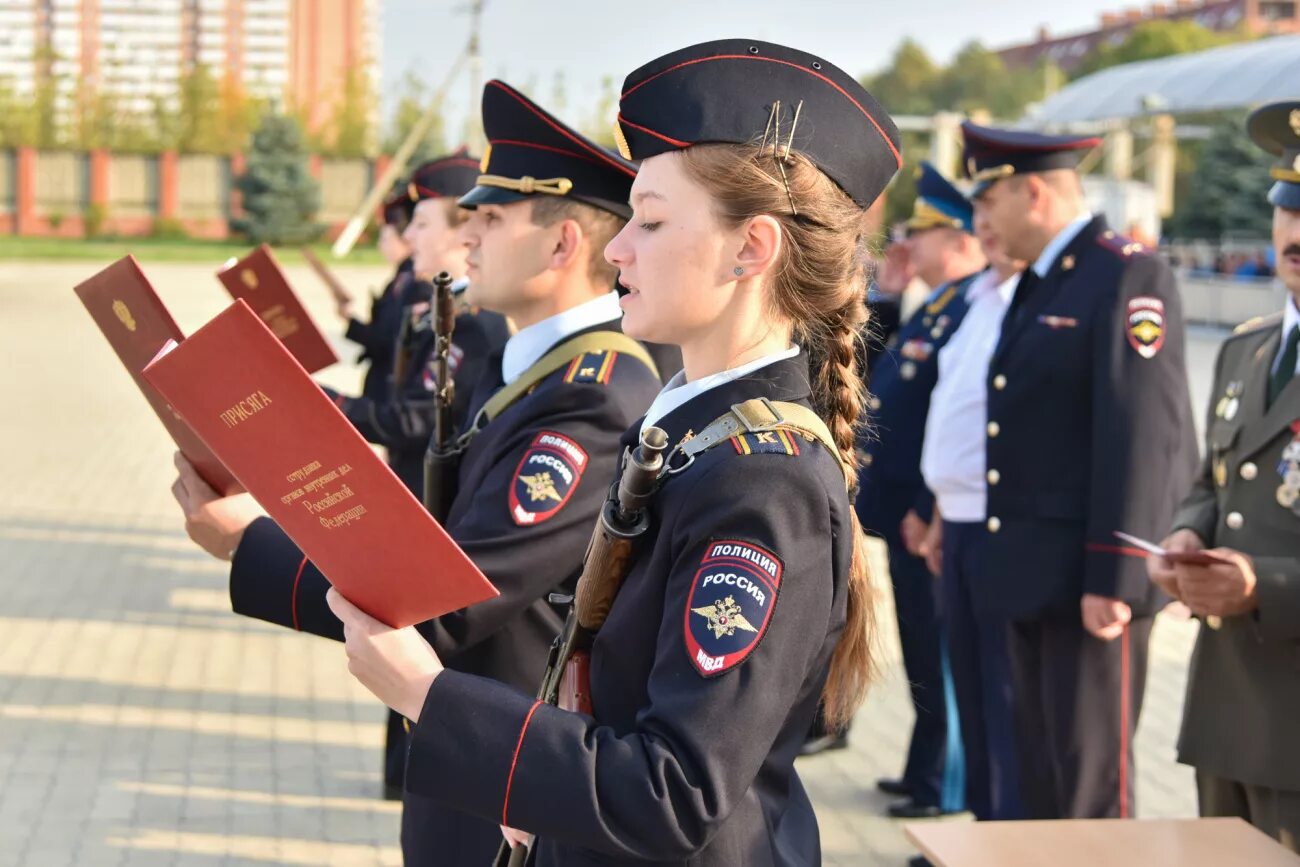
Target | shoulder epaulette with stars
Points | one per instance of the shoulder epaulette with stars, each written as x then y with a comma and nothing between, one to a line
592,367
1121,244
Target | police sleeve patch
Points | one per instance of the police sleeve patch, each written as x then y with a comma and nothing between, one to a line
730,604
1146,325
546,478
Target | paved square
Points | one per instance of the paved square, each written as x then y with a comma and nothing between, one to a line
141,723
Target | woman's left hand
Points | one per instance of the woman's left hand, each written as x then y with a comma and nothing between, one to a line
397,665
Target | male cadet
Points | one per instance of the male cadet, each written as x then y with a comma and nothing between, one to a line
893,502
566,387
403,420
1089,431
952,461
1243,690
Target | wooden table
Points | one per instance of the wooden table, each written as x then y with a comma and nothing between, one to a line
1099,843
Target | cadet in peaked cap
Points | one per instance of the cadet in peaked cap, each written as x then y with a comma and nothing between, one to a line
703,686
1089,365
1242,699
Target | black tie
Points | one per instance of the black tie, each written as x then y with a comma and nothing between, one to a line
1285,366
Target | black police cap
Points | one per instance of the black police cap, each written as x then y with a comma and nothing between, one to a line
736,90
992,154
1276,128
397,207
532,153
446,177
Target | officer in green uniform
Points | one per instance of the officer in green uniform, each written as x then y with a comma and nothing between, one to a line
1243,690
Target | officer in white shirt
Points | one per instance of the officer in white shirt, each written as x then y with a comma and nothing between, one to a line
953,464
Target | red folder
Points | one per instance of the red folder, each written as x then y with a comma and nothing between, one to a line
258,279
292,449
136,324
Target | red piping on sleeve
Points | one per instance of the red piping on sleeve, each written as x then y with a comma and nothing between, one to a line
294,601
505,807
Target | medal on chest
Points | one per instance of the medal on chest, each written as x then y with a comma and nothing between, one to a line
1288,493
1228,405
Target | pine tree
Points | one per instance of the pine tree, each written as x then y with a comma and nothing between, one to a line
1228,187
280,195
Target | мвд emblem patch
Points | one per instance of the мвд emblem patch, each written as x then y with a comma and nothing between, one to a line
730,604
1146,325
546,478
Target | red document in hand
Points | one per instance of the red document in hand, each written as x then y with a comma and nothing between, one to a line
136,324
292,449
258,279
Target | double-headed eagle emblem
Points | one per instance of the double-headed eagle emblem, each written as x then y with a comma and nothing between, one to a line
541,487
725,617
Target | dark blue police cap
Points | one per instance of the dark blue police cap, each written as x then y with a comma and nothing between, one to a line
531,153
744,91
397,207
1276,128
992,154
446,177
939,203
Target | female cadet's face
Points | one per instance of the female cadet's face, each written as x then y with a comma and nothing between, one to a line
672,256
435,246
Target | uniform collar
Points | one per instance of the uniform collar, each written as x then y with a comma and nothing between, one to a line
1290,319
678,391
526,346
1058,244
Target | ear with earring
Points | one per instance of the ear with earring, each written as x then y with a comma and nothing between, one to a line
738,271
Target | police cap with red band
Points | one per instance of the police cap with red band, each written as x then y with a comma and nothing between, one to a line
447,177
533,153
725,92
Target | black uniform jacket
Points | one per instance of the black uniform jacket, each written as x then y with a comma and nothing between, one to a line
530,486
378,337
403,422
1090,429
704,678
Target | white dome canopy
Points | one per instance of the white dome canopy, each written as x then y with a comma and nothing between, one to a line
1233,76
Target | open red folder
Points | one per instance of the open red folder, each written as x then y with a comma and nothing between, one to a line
302,460
136,324
258,279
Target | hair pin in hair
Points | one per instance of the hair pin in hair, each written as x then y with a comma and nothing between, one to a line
773,131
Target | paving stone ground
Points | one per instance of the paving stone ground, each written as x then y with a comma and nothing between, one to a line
141,723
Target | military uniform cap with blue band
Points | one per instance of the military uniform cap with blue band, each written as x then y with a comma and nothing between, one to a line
446,177
532,153
736,90
939,203
1276,129
992,154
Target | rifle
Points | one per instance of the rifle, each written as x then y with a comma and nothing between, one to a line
442,458
331,282
623,520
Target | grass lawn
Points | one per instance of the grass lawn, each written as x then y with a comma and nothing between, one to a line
162,250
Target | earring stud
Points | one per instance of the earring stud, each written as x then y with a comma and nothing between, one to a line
738,271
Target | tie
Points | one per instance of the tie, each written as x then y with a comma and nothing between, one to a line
1285,366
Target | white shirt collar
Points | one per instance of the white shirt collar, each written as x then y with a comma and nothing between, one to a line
678,391
1063,238
527,345
1290,319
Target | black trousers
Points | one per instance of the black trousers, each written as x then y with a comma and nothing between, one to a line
981,676
1077,700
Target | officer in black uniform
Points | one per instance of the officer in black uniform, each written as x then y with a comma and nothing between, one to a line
535,474
403,420
1090,431
892,491
713,659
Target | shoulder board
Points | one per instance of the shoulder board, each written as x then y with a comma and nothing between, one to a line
1257,324
1122,245
772,442
941,298
595,367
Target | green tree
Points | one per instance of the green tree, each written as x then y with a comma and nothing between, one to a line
977,79
350,125
1154,39
907,84
599,125
411,106
280,196
199,121
1227,189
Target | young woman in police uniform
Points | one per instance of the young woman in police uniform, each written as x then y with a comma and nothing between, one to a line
750,584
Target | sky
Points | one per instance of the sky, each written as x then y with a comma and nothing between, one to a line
528,40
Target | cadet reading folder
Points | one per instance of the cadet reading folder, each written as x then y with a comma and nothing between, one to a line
258,279
291,448
136,324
